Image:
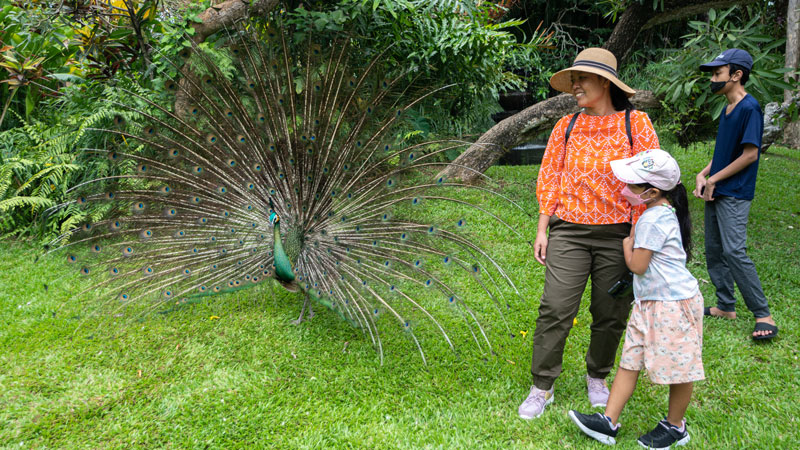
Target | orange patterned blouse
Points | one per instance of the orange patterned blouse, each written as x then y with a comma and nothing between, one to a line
580,187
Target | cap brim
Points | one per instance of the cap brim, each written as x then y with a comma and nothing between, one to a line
624,172
710,65
561,80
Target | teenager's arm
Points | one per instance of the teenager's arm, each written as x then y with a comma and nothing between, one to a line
637,259
749,156
700,181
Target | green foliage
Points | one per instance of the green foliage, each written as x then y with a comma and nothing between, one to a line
42,159
35,55
615,8
113,35
689,105
435,42
172,39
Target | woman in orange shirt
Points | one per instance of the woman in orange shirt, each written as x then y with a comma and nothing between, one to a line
581,204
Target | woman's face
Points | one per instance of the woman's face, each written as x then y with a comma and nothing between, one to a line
588,88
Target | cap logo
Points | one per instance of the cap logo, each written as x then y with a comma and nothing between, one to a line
721,55
648,163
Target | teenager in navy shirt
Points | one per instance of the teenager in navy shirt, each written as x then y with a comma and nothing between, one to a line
727,185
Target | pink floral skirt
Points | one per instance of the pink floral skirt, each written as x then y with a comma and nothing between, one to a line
666,339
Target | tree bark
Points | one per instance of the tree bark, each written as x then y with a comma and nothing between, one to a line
520,128
627,29
792,44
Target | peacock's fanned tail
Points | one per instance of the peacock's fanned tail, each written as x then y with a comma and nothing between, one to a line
310,137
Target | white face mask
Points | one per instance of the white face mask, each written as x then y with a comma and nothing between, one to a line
632,198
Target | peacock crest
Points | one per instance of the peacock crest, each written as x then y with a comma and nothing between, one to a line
290,167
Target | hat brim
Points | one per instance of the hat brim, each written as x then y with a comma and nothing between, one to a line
709,66
561,80
624,172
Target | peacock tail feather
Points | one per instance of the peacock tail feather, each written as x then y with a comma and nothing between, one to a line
290,168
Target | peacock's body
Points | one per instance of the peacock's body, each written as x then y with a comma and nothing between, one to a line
290,169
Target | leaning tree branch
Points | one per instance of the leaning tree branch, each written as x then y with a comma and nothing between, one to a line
520,128
227,13
683,12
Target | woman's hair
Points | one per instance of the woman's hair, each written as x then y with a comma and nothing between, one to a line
680,201
619,99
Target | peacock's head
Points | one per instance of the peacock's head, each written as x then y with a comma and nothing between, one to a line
274,218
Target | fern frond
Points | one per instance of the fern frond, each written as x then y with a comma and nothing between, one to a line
18,202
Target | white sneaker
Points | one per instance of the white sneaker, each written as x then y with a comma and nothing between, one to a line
534,405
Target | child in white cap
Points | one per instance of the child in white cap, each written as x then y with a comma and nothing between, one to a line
665,331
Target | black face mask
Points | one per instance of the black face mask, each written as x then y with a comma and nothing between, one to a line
717,85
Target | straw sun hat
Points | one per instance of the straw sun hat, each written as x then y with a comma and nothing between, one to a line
593,60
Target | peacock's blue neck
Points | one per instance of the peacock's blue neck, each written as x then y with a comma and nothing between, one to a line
283,267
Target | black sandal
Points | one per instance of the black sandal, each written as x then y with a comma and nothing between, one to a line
764,326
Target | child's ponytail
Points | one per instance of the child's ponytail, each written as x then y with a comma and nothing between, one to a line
677,196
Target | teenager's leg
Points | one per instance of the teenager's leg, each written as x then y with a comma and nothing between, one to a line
732,214
609,314
718,269
679,397
567,270
621,390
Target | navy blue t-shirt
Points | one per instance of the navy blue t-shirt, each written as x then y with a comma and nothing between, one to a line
744,125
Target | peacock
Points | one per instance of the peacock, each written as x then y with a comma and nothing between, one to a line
286,167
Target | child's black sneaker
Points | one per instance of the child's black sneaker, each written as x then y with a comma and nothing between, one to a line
664,436
596,426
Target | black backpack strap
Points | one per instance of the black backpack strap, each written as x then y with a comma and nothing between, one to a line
628,127
572,125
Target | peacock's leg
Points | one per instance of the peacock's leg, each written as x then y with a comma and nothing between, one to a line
306,304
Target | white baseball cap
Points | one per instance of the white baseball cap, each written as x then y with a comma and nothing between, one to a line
654,166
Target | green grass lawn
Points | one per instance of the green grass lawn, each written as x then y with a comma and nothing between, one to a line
250,379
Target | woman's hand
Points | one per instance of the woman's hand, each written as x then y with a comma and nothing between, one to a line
540,247
540,244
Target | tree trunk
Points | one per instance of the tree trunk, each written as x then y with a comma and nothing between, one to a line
520,128
792,44
627,29
791,132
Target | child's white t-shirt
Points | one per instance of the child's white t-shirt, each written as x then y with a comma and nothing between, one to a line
666,278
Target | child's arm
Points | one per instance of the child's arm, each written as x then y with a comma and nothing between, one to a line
749,156
637,259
